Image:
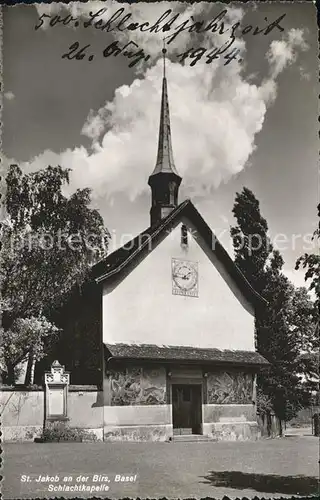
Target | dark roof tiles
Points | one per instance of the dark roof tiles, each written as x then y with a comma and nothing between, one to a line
183,353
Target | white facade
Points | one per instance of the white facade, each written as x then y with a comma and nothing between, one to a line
142,309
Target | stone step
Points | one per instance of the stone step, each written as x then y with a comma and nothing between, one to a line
191,437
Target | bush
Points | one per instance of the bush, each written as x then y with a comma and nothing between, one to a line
60,431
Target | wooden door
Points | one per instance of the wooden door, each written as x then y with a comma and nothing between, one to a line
186,407
196,409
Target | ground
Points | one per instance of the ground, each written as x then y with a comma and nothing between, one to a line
266,468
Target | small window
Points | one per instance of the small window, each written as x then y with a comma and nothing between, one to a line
184,235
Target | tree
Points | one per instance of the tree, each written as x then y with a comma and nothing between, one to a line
278,342
49,243
275,339
311,262
310,359
303,317
25,338
251,243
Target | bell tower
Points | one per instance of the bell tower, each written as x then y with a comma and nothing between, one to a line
164,180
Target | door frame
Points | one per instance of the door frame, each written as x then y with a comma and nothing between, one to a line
187,381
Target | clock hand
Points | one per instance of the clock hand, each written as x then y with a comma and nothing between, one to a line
186,276
177,275
180,274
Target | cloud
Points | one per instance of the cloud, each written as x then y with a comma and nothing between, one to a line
9,95
151,42
283,52
213,130
215,117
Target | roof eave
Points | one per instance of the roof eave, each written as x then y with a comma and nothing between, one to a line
188,361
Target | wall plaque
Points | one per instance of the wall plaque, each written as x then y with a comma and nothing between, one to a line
57,382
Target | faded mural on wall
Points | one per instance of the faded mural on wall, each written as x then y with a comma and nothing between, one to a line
138,386
229,388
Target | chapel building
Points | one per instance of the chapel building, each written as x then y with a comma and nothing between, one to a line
175,318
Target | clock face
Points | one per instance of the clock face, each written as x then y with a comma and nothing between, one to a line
184,278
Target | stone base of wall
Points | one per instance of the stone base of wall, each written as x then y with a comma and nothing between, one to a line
138,433
21,432
232,431
27,433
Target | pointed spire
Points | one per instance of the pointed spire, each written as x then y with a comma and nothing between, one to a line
165,162
164,180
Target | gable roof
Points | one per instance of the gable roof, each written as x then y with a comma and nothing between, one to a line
152,352
150,237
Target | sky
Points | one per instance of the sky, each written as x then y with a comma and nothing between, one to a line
252,122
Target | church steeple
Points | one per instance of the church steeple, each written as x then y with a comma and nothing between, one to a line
164,180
